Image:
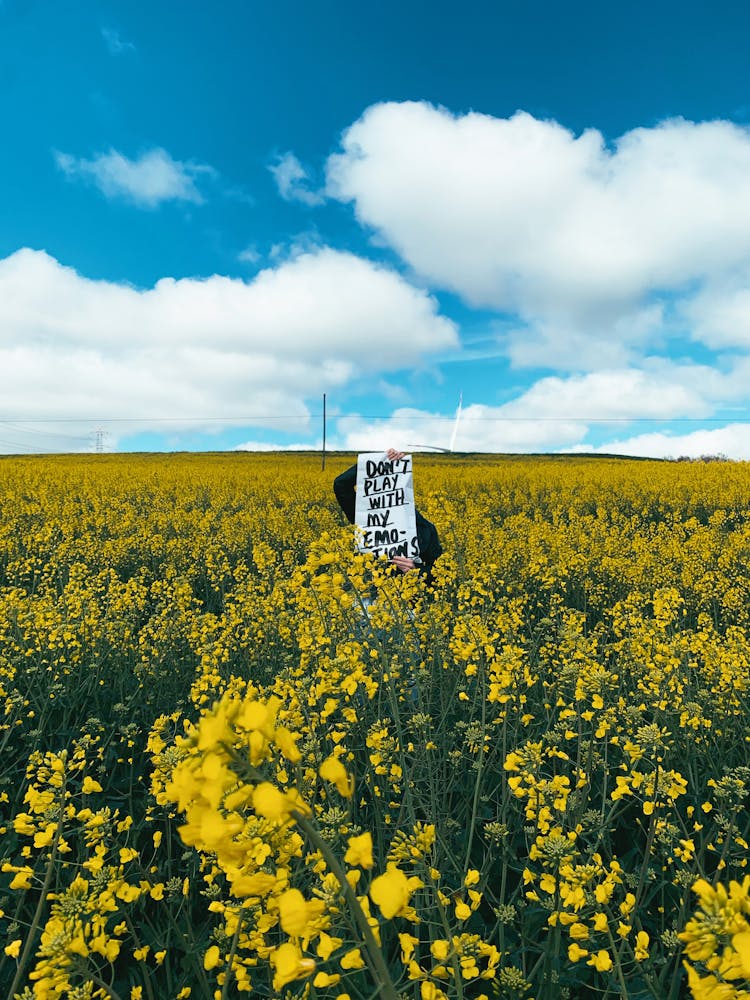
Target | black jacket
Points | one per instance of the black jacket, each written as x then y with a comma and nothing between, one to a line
427,536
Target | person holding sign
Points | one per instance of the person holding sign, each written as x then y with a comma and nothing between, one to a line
377,495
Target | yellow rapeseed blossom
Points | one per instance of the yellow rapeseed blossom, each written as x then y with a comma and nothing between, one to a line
289,964
391,891
359,851
12,950
334,771
216,666
297,915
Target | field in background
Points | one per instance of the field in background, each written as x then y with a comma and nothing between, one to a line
221,772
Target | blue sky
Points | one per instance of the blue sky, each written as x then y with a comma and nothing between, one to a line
488,226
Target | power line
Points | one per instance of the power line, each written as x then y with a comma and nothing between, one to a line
14,426
157,420
25,445
196,420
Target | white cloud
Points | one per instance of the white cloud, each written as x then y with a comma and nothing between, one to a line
556,413
147,181
586,344
265,446
614,394
293,182
250,255
218,347
115,43
584,242
481,428
719,314
733,441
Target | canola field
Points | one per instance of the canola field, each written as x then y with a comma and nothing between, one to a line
224,771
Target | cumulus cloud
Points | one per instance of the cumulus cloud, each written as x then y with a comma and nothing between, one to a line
582,240
148,181
200,349
556,413
293,181
614,395
585,344
731,441
719,313
480,428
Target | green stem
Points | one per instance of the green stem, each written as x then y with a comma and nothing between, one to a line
646,857
113,994
31,937
232,953
725,850
136,939
471,830
375,954
453,957
618,965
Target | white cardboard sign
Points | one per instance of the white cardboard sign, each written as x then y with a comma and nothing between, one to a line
384,507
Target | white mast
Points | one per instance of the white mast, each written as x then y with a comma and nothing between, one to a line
458,418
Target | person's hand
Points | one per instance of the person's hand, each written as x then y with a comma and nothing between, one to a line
394,455
403,563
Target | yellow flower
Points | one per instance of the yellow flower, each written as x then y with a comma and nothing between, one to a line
45,837
326,979
359,851
439,949
408,943
602,961
741,944
548,883
259,884
12,949
641,945
212,958
600,922
270,802
90,786
289,965
390,891
24,824
326,945
128,893
575,952
352,960
22,878
334,771
287,743
430,991
297,914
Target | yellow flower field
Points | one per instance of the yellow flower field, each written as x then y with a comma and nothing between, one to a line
222,773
